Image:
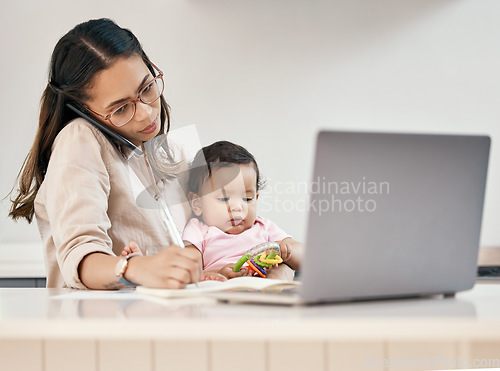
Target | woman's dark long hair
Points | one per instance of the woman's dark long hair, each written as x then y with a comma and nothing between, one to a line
87,49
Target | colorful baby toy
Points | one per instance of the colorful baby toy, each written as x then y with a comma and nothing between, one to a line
260,257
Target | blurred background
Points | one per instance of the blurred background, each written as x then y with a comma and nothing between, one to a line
268,74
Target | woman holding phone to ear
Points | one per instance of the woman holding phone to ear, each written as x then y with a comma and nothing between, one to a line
75,180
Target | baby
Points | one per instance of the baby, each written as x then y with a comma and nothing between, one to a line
224,185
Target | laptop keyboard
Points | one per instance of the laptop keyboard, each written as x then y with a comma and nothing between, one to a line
489,272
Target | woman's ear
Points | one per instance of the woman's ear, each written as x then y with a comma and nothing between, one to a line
195,202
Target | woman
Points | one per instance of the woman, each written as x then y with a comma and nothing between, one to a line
77,182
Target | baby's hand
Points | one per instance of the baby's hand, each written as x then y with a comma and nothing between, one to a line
212,276
228,272
285,249
131,248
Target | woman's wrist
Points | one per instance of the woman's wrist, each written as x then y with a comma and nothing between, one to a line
97,271
133,273
122,268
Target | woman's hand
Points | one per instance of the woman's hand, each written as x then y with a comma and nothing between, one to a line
172,268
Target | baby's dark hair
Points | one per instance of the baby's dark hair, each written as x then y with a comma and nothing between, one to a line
215,156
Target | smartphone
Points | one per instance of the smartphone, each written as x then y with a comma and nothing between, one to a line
105,129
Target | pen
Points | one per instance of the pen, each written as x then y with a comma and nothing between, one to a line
169,223
150,186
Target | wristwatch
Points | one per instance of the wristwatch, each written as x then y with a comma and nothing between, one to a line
121,268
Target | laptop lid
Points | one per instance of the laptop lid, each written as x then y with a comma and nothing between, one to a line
393,215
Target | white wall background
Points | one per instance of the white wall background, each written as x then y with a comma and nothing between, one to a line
268,74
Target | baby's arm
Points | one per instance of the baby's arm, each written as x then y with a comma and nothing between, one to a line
188,245
207,275
281,272
291,252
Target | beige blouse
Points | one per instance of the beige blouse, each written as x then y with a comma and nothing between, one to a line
92,201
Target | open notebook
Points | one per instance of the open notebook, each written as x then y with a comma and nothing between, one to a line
239,284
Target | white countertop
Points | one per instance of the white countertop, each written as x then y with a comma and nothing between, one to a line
62,313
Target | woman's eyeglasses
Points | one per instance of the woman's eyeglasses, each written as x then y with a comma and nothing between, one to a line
148,94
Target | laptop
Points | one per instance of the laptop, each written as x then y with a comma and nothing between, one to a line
391,215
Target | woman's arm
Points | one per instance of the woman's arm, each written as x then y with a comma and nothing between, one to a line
172,268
